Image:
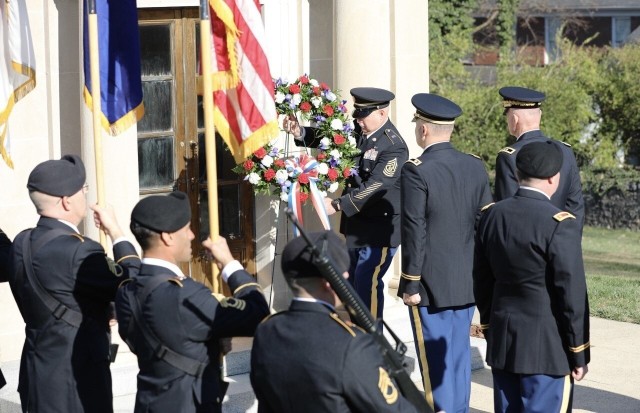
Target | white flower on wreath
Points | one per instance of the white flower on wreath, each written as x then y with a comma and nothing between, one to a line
330,96
323,194
316,101
282,176
253,178
323,168
296,99
314,82
267,161
336,124
279,97
352,140
333,187
324,143
284,196
335,154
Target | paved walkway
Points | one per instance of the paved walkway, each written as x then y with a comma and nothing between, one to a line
612,384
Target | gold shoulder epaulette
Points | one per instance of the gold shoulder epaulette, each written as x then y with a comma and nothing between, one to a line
474,155
176,282
337,319
391,135
508,150
565,143
80,237
561,216
484,208
415,161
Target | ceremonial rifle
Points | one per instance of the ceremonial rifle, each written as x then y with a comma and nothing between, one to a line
362,317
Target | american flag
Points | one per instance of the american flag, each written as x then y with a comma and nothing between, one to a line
244,109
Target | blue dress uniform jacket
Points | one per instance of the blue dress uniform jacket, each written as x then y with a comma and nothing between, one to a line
5,246
530,287
308,360
370,203
186,317
568,197
443,192
63,368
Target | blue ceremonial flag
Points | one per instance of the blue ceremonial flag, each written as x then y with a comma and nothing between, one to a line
119,50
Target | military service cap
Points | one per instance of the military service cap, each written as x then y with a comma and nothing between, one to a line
539,159
63,177
368,99
520,97
435,109
162,213
297,261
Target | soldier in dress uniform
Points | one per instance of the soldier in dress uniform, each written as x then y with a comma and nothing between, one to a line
5,246
523,114
370,203
306,359
173,323
63,283
443,192
530,289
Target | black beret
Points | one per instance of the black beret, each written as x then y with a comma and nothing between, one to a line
368,99
63,177
435,109
539,159
297,260
521,97
162,213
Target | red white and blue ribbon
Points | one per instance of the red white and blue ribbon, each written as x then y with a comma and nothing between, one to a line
308,165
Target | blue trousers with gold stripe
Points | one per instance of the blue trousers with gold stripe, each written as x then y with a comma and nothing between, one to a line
367,267
442,343
532,393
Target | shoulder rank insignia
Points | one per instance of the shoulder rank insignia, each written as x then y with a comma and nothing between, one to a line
386,386
561,216
508,150
390,168
415,161
565,144
391,135
484,208
474,155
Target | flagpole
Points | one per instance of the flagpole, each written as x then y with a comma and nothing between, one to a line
94,62
209,131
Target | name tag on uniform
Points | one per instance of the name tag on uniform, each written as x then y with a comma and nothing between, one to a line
371,154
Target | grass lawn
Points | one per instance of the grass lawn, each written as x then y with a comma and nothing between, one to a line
612,264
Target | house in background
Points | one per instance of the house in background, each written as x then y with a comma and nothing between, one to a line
597,23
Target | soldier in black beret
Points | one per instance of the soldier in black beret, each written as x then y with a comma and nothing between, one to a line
530,289
63,283
175,324
370,203
306,359
523,114
443,191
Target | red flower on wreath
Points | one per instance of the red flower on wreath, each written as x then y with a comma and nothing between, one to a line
316,91
302,197
324,86
304,80
321,156
305,106
269,174
339,139
279,163
303,178
260,153
247,165
347,172
328,110
294,88
332,174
